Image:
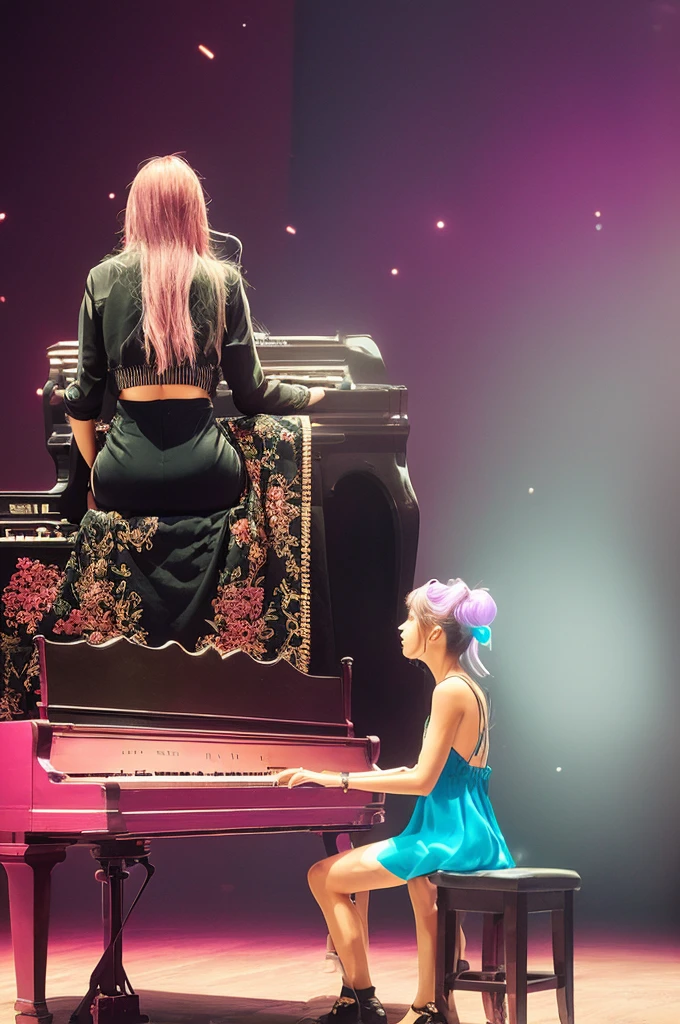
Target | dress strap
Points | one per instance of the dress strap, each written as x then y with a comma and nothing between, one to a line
483,723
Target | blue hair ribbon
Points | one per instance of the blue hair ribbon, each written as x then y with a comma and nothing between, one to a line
482,635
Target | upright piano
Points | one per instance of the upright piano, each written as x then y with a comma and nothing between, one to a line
140,765
117,764
364,515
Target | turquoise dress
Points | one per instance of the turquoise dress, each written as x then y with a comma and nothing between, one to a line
454,827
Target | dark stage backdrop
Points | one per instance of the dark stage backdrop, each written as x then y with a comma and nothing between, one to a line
540,352
539,344
89,92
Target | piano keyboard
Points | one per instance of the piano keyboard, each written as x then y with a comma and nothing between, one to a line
181,780
105,780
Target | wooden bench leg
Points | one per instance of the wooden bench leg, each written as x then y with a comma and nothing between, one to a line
492,936
448,922
515,933
562,922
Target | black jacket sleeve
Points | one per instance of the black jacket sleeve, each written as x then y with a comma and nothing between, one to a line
242,370
83,399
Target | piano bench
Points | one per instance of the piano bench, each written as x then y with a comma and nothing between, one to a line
506,898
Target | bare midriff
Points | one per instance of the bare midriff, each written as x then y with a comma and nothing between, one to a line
159,392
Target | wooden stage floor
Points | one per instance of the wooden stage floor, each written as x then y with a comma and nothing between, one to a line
263,975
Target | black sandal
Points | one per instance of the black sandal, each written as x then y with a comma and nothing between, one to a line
344,1011
347,1010
372,1011
429,1014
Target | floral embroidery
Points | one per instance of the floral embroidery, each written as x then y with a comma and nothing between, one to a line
262,603
260,590
30,593
240,531
93,604
10,705
105,611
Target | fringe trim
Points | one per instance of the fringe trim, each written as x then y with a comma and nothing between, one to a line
306,545
205,377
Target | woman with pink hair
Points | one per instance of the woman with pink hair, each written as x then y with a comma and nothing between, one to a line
453,826
195,527
161,322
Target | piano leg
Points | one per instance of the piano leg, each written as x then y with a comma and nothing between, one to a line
110,998
29,873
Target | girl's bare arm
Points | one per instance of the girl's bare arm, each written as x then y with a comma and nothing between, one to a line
447,711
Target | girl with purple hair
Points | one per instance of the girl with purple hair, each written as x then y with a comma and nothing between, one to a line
453,826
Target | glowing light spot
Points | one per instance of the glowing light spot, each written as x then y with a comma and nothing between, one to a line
598,227
597,213
112,195
2,216
291,230
244,25
206,52
2,298
441,224
531,490
38,391
558,769
394,271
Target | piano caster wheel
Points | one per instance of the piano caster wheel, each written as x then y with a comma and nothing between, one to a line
117,1010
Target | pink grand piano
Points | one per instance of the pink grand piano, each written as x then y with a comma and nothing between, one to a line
182,744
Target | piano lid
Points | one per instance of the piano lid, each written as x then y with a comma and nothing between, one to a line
120,682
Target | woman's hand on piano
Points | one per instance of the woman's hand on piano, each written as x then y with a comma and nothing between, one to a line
292,777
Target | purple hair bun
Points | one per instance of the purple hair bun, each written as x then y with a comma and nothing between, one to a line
470,607
442,602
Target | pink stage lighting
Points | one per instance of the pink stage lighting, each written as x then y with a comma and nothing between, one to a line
112,195
441,224
208,53
291,230
394,271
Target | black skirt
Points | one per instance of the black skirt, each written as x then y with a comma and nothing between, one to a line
234,579
166,458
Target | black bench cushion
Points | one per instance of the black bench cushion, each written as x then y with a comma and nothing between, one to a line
510,880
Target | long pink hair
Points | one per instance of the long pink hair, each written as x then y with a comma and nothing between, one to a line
166,223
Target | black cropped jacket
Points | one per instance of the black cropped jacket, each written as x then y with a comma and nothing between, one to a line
112,354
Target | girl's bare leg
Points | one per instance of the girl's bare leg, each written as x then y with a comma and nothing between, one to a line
361,900
331,882
361,903
424,902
